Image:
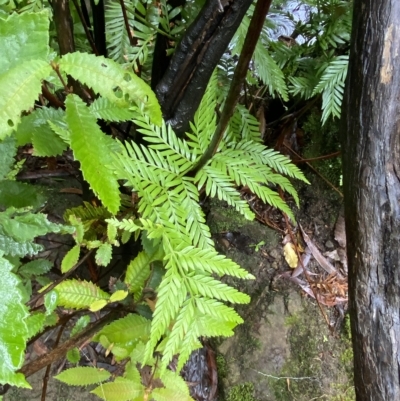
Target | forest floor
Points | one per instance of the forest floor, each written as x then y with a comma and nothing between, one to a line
285,350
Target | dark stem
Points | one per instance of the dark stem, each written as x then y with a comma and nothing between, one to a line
253,33
53,356
126,21
52,99
85,27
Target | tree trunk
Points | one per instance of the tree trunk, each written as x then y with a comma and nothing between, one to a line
371,178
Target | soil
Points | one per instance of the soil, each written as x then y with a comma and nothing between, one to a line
284,351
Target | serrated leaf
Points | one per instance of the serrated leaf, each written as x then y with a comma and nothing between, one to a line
8,149
97,305
20,88
89,146
14,248
73,355
127,329
79,294
70,259
14,332
138,271
83,376
35,267
118,296
51,301
120,390
29,35
106,77
20,195
27,226
80,324
35,323
104,254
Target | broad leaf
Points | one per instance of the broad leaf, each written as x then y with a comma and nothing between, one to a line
23,37
109,79
90,148
83,376
20,87
120,390
13,327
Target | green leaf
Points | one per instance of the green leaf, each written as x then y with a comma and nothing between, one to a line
23,37
73,355
175,388
14,248
83,376
79,294
25,227
120,390
97,305
20,87
103,254
51,301
35,323
70,259
35,267
80,324
104,109
90,148
127,329
138,270
14,331
8,149
110,80
118,296
20,195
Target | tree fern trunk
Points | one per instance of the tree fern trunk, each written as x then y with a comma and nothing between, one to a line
371,176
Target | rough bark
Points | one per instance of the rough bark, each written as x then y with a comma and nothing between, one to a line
182,86
371,178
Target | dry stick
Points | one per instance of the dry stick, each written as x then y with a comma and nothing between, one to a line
47,374
126,21
75,341
85,27
324,157
315,171
253,33
51,286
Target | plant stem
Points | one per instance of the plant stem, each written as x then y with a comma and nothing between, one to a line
253,33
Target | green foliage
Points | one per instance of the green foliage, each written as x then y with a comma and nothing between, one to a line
14,331
242,392
174,282
83,376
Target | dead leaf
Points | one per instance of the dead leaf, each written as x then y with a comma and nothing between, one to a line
340,232
290,255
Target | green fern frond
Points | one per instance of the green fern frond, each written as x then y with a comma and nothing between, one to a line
190,258
87,213
279,162
118,45
269,72
250,127
218,183
205,122
102,108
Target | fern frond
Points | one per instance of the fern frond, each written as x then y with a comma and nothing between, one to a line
250,127
279,162
102,108
269,72
118,45
218,183
205,122
208,287
190,258
87,213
